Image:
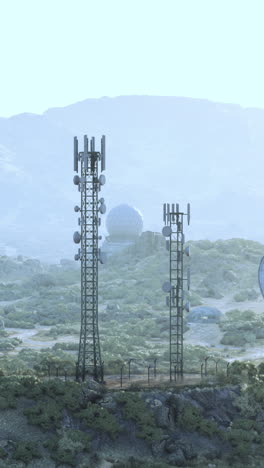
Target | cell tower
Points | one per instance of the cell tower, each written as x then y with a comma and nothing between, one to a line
89,184
261,276
173,231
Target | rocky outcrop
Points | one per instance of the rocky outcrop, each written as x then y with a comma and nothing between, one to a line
180,445
179,428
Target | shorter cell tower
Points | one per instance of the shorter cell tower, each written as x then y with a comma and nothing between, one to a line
173,231
89,184
261,276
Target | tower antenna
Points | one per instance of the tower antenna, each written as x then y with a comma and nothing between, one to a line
89,184
173,231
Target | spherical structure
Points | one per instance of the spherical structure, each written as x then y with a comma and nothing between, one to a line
124,222
204,314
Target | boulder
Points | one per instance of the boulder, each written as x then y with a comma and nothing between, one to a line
112,308
177,442
158,448
92,384
177,458
109,402
161,411
92,391
171,445
162,416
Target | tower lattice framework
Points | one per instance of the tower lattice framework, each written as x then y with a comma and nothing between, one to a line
173,231
89,184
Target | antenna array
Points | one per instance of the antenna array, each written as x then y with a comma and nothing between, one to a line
89,184
173,231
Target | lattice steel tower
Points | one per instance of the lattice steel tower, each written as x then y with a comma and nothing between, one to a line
173,231
89,184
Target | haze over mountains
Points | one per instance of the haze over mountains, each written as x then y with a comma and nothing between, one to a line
158,149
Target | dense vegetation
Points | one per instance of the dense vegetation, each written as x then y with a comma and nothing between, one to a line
45,299
72,419
132,312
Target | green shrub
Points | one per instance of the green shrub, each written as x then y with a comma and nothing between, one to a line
245,424
3,453
66,394
261,369
236,338
195,299
240,296
256,390
42,280
6,345
204,244
134,463
65,446
66,346
244,315
61,330
241,441
18,324
3,403
213,292
73,397
10,389
221,378
245,295
245,370
248,406
26,451
52,443
7,402
81,437
135,408
190,418
45,414
99,418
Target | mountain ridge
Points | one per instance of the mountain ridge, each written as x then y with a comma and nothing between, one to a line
159,149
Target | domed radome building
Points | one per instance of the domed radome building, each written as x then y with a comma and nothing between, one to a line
124,225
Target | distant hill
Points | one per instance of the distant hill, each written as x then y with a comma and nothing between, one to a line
158,149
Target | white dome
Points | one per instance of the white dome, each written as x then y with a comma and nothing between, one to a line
124,222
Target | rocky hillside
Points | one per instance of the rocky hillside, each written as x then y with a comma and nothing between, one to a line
56,424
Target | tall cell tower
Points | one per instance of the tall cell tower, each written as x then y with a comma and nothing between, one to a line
89,185
173,231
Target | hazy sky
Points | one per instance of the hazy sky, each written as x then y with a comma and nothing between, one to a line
57,52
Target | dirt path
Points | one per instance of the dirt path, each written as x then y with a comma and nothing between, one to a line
30,340
227,303
204,334
5,303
